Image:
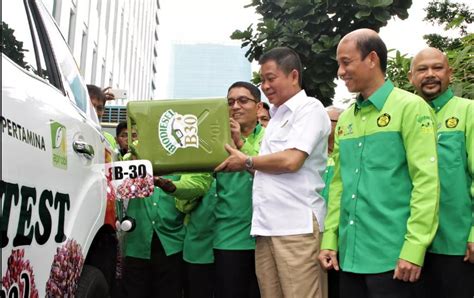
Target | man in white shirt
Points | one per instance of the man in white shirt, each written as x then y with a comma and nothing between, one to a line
288,212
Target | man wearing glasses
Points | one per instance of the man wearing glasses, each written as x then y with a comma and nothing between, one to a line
288,211
234,248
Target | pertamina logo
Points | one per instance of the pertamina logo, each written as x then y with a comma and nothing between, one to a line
178,131
59,145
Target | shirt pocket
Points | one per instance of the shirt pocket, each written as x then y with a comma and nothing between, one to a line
280,137
451,149
384,151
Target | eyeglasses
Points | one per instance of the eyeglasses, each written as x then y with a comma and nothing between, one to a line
241,100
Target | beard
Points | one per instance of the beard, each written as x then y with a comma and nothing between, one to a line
431,92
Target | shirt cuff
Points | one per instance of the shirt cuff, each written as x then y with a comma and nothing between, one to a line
182,193
329,241
413,253
471,235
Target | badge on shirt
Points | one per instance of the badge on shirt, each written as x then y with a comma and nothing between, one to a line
349,129
345,131
452,122
340,131
383,120
425,122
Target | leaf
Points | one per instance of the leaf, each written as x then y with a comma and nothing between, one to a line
280,3
455,23
364,12
381,15
375,3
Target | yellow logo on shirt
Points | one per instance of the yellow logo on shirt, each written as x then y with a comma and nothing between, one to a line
340,131
345,131
383,120
452,122
425,122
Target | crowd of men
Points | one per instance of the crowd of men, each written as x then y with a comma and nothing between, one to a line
380,195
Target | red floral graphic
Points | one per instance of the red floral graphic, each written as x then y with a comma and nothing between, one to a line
16,272
65,270
136,187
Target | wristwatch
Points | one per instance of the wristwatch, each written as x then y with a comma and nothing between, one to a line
249,163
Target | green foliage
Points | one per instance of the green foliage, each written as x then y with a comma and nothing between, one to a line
12,47
313,29
461,60
397,71
451,16
442,42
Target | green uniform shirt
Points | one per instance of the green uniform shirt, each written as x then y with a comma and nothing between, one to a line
327,177
158,214
113,143
455,117
234,202
200,230
383,200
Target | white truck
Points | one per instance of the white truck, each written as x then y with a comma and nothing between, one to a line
57,216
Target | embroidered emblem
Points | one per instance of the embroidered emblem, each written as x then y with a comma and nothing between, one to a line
383,120
349,129
340,131
425,122
452,122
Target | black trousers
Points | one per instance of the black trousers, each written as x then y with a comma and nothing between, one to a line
199,280
447,276
235,274
333,284
160,276
381,285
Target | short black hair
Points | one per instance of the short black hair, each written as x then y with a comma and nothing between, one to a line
96,92
286,59
121,126
250,87
367,44
266,106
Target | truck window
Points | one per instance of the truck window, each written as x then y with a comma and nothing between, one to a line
18,42
66,62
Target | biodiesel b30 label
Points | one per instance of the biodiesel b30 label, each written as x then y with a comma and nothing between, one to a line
59,145
178,131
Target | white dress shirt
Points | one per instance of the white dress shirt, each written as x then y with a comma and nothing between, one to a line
284,204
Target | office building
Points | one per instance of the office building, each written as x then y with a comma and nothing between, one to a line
206,70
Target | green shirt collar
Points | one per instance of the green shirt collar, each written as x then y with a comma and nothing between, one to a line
257,129
438,103
378,98
254,133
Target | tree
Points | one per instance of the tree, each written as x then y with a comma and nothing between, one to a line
12,47
313,28
397,70
461,59
451,16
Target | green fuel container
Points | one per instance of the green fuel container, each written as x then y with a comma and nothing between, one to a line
180,136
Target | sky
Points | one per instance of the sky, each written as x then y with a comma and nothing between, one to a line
213,21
